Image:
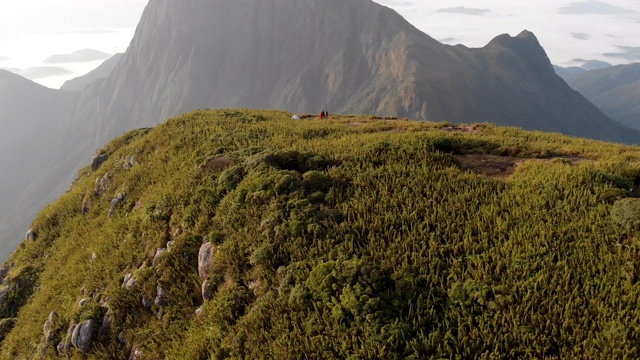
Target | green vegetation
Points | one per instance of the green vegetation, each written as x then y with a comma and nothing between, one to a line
356,237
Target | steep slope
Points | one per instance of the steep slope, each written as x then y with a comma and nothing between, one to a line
101,72
350,56
614,90
31,119
244,234
344,56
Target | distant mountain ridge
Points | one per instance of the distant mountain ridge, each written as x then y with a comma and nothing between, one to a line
344,56
614,90
101,72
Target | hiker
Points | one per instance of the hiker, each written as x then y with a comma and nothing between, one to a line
322,115
326,114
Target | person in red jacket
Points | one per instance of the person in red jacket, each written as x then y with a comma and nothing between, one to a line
322,115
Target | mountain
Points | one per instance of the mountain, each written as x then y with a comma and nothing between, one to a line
569,73
614,90
245,234
344,56
31,119
101,72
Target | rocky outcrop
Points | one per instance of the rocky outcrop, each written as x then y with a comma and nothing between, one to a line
64,347
129,282
162,297
159,253
83,335
102,184
205,259
104,333
97,161
31,235
117,201
207,292
129,162
49,325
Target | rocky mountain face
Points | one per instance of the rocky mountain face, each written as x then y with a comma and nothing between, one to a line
344,56
614,90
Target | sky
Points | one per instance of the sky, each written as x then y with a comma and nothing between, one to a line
53,41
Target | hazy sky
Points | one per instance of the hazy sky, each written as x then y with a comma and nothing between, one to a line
53,41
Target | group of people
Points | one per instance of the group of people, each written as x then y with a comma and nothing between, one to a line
324,115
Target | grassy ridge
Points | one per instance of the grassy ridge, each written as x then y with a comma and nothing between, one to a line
349,238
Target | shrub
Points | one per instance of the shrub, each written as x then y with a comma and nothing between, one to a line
626,212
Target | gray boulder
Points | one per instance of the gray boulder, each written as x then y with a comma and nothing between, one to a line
64,347
31,235
104,334
159,253
97,161
162,297
84,302
83,335
48,326
207,293
129,162
102,184
129,282
205,259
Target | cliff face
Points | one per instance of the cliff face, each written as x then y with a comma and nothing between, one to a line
344,56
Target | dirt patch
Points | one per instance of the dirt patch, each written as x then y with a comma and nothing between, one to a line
503,166
357,123
489,165
218,163
461,129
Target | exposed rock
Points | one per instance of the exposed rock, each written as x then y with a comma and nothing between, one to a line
104,334
86,205
207,293
83,302
4,271
97,161
205,259
135,354
102,184
146,303
48,326
64,347
129,162
170,245
121,338
129,282
83,335
4,290
159,253
116,201
162,297
6,325
199,311
31,235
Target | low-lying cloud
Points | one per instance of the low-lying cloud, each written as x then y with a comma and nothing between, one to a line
84,55
465,10
39,72
627,52
594,7
580,36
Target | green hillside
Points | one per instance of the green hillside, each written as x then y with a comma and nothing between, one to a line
354,237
